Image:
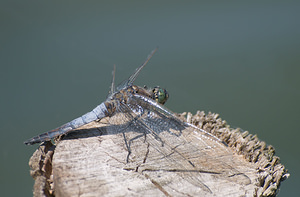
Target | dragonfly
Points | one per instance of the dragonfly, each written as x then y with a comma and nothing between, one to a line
139,113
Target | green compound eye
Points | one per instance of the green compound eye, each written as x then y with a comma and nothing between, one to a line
160,95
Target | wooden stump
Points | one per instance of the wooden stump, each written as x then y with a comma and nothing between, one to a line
88,162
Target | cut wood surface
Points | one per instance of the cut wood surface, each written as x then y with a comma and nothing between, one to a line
94,162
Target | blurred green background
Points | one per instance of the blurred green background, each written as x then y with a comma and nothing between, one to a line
238,59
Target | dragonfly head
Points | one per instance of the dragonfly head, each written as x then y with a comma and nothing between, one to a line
160,95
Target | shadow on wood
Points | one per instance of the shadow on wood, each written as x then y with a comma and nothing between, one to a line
94,162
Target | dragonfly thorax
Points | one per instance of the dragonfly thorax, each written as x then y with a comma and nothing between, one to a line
157,93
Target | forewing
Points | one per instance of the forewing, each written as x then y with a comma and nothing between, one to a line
158,141
134,75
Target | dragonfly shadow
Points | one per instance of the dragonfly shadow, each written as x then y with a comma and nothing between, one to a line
152,126
83,133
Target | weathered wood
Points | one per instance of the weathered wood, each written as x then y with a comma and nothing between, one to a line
91,163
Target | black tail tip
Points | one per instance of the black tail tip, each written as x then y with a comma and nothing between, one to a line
30,142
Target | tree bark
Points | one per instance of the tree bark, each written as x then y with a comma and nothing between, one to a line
90,162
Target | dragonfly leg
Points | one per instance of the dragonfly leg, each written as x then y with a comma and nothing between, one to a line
127,146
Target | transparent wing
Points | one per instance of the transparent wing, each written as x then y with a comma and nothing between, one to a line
171,145
132,78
